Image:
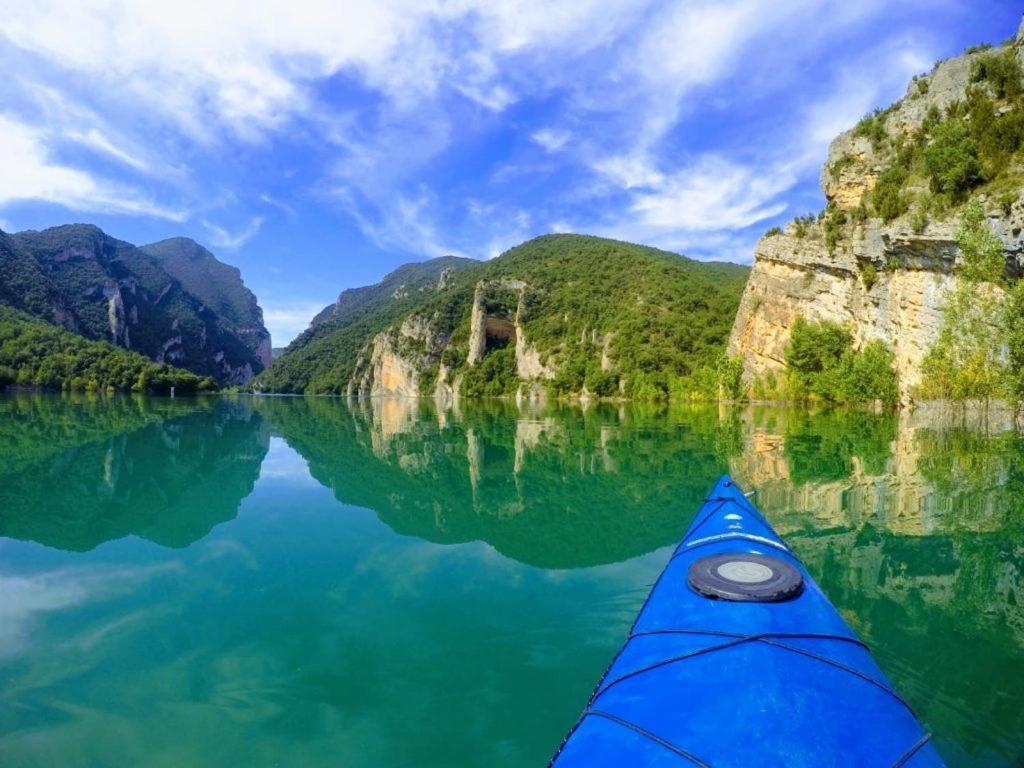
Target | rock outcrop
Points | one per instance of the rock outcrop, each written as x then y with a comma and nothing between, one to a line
407,362
796,276
884,281
497,319
399,360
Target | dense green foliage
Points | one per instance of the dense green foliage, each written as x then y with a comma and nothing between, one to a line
718,380
495,376
22,283
1001,71
872,127
975,143
35,354
654,315
822,364
888,198
967,361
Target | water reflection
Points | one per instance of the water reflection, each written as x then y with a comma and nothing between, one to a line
913,524
78,472
557,488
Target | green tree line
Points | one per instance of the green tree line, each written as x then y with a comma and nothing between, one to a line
36,354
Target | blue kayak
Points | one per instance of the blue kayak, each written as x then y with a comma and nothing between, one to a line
738,659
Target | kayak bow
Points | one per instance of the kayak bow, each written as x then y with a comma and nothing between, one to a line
738,659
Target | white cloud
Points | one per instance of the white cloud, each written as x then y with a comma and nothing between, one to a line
551,139
249,64
279,204
713,193
224,238
287,319
30,173
408,223
630,170
97,140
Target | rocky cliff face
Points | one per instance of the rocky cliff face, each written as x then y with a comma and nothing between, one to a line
105,289
408,362
884,280
490,323
398,361
220,288
796,276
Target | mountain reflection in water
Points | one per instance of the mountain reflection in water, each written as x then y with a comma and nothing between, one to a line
912,523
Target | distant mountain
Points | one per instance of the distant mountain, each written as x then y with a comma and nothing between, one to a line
340,329
409,280
220,287
562,313
87,282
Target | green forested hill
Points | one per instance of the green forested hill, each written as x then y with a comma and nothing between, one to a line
36,354
23,284
78,277
658,316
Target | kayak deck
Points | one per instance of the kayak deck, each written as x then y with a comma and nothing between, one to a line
740,681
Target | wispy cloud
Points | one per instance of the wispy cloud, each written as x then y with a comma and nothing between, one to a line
232,240
409,222
97,140
279,204
31,173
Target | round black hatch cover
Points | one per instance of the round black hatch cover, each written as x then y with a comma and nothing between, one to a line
745,577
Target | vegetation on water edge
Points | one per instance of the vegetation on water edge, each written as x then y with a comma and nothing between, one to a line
822,365
979,353
36,354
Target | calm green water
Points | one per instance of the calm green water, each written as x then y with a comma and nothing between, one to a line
297,582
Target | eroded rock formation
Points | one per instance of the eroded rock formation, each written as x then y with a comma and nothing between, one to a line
408,362
882,280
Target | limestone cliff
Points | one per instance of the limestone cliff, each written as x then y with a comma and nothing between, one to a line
883,272
407,362
490,323
398,360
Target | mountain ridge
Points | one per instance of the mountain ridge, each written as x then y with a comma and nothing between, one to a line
80,278
512,305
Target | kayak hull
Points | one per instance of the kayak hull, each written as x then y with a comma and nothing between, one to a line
724,682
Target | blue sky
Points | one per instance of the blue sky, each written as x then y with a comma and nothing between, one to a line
318,145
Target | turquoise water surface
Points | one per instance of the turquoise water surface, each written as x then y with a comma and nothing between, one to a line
289,581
